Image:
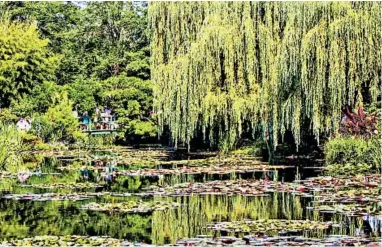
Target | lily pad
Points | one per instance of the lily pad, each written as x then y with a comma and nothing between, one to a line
271,225
131,206
64,185
69,240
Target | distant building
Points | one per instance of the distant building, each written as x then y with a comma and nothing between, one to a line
23,124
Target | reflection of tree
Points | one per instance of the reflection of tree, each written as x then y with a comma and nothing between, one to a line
350,225
197,211
20,219
127,183
64,218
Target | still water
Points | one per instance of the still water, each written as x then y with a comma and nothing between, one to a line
25,218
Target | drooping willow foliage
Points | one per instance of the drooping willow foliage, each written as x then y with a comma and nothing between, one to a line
229,67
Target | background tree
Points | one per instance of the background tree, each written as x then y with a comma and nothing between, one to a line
25,61
237,67
116,59
99,43
131,97
59,22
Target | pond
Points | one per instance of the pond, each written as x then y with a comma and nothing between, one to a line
171,207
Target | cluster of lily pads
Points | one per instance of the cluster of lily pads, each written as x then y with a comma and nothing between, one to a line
17,174
348,169
270,225
354,195
249,187
54,196
84,185
348,204
144,157
263,240
69,240
365,181
347,196
220,160
77,168
350,209
131,206
198,170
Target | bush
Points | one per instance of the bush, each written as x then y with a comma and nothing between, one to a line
7,116
101,140
63,121
42,147
80,137
348,169
29,140
10,147
42,127
257,149
58,123
359,123
353,151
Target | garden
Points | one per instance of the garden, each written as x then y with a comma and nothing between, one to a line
233,123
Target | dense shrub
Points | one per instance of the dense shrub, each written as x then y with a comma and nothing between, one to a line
63,121
10,147
42,127
100,140
7,116
348,169
58,123
359,124
358,148
257,149
29,140
353,151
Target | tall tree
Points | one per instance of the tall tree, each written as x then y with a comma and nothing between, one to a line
114,39
59,22
104,51
115,53
220,66
25,61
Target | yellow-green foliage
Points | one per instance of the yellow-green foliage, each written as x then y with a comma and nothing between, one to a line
10,147
24,60
273,64
256,149
7,117
64,122
349,169
353,151
58,123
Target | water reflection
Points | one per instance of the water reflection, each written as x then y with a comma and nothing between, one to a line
26,218
198,211
191,219
20,219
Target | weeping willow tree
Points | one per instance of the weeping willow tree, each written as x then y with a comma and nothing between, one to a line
225,68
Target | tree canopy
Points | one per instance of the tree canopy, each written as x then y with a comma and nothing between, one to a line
97,54
226,68
25,61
